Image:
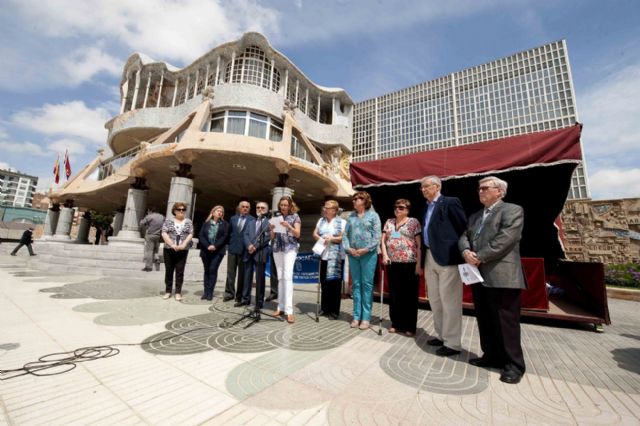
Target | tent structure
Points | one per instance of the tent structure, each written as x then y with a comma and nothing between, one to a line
538,168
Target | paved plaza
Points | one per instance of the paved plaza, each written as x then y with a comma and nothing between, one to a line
193,363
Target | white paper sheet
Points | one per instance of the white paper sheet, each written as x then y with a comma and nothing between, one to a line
277,222
319,247
469,274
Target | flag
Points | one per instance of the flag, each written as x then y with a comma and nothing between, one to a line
67,164
56,170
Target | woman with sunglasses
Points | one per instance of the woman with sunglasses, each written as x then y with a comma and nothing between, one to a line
213,246
329,229
401,246
177,234
285,249
360,240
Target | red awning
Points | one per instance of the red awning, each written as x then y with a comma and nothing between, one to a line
513,153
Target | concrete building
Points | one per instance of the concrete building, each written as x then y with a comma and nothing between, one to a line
242,120
527,92
16,189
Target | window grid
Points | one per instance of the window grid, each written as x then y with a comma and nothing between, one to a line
527,92
245,123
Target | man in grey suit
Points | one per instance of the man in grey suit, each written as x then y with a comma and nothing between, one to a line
492,243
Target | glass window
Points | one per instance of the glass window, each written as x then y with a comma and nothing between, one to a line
236,122
275,131
258,125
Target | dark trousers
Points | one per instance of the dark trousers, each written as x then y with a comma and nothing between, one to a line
19,246
249,267
498,316
235,267
331,292
211,262
273,280
243,291
174,261
403,295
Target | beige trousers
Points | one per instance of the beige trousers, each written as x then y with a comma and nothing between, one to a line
444,289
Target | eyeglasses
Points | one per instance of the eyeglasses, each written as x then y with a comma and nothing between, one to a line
429,185
181,210
262,208
401,207
330,208
485,188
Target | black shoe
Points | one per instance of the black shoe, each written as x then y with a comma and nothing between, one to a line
13,254
435,342
483,363
321,313
334,316
237,304
510,376
203,297
33,254
210,298
446,351
270,298
146,269
227,298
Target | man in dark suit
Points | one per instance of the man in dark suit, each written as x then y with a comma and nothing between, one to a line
492,243
443,222
257,239
25,240
236,254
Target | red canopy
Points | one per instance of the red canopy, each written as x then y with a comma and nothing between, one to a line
513,153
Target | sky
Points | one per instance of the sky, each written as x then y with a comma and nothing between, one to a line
62,61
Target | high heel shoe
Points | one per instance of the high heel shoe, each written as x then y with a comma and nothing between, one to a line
290,319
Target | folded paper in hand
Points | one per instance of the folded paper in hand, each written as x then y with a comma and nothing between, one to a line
318,247
276,221
469,274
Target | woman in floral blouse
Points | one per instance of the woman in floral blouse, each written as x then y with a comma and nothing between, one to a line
285,249
361,240
401,251
177,234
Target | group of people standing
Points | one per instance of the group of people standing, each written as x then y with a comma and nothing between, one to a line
433,244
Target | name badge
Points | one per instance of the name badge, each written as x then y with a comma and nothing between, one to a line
395,234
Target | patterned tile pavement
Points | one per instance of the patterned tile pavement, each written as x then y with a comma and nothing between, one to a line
199,363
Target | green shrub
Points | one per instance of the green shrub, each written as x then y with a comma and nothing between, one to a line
622,275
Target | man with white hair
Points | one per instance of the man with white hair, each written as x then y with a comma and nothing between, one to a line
492,243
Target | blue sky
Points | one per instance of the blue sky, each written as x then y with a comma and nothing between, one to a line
62,61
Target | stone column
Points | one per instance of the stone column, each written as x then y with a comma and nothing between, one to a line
118,217
133,214
280,191
51,221
83,229
64,222
181,190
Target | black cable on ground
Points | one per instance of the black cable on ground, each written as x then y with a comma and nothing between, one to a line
63,362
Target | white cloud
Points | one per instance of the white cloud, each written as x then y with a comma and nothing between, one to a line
171,29
62,145
87,61
610,111
4,166
28,148
615,183
71,119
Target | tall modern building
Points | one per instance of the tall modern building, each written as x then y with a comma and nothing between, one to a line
16,189
530,91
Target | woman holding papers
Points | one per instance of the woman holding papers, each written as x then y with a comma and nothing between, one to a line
284,244
401,246
361,240
328,234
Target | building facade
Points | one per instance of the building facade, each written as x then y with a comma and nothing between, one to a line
16,189
530,91
240,121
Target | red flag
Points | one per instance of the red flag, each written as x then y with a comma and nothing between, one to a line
56,170
67,164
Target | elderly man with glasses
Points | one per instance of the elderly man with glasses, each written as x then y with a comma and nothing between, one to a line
256,239
444,221
236,256
492,243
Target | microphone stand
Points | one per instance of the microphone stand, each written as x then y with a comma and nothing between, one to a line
255,315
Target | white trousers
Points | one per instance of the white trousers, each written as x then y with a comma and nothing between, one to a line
444,289
285,262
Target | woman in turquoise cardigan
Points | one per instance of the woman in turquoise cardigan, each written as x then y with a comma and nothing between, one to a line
361,240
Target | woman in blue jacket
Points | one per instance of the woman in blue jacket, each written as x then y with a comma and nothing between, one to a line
213,238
